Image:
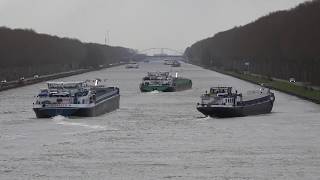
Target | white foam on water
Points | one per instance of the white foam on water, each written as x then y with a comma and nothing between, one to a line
205,118
155,92
61,120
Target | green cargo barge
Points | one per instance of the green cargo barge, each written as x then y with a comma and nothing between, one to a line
162,81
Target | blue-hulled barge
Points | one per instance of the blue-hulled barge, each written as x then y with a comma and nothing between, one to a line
222,102
76,99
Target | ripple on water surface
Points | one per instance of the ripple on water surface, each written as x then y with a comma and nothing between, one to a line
159,135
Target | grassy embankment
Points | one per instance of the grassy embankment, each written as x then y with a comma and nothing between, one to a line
31,80
305,92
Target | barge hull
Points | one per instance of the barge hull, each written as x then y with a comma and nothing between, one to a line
165,88
103,107
237,111
144,88
106,106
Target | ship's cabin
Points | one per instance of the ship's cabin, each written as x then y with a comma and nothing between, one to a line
71,93
64,90
66,85
158,74
219,96
157,78
221,91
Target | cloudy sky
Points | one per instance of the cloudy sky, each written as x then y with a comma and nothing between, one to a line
138,24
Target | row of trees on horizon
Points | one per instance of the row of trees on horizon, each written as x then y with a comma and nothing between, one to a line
26,53
282,44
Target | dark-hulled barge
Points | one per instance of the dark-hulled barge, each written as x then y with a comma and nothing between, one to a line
222,102
76,99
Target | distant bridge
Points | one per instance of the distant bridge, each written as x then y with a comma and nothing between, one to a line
162,53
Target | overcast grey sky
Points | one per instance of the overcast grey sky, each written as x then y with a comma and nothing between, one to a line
138,24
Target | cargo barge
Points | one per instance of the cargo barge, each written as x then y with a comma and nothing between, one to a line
164,82
222,102
76,99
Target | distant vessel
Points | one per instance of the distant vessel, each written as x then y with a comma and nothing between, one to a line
163,81
133,65
167,62
175,63
222,102
76,99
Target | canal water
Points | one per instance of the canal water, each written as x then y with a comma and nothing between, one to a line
159,135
